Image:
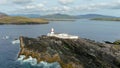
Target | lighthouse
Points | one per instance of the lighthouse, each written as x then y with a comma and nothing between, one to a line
61,35
52,31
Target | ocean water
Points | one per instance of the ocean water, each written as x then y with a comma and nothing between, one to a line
95,30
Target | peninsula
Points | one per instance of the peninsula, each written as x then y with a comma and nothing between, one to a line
6,19
22,20
71,53
106,19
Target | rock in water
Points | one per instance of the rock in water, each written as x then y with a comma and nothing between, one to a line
71,53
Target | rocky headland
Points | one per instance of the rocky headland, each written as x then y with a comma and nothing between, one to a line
71,53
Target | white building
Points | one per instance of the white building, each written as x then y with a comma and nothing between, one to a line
62,35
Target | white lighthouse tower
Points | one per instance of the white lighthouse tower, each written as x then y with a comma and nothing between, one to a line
52,31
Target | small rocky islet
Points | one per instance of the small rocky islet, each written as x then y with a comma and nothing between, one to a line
71,53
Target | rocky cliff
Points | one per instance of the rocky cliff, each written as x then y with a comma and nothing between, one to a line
80,53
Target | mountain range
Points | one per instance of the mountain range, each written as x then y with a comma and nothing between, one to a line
65,16
27,15
61,16
58,16
94,16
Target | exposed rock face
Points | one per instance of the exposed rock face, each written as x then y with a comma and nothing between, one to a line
80,53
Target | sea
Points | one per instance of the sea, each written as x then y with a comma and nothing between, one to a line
95,30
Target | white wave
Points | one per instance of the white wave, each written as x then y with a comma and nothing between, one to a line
5,37
21,57
33,62
16,42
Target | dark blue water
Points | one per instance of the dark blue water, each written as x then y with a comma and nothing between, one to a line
95,30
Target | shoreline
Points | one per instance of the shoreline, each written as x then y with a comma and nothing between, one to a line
23,23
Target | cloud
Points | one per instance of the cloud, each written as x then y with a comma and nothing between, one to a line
116,5
22,2
111,5
65,8
65,2
88,0
98,6
41,8
3,2
32,8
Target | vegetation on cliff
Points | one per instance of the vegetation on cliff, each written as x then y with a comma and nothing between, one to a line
70,53
117,42
22,20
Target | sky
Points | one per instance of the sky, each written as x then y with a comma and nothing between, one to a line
72,7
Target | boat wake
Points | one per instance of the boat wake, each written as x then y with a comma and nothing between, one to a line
33,63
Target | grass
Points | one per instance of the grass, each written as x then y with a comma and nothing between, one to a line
117,42
116,47
22,20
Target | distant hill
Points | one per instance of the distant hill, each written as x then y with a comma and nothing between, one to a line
44,16
9,19
2,14
58,16
21,20
65,16
93,16
27,15
87,16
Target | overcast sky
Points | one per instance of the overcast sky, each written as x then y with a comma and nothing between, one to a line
74,7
